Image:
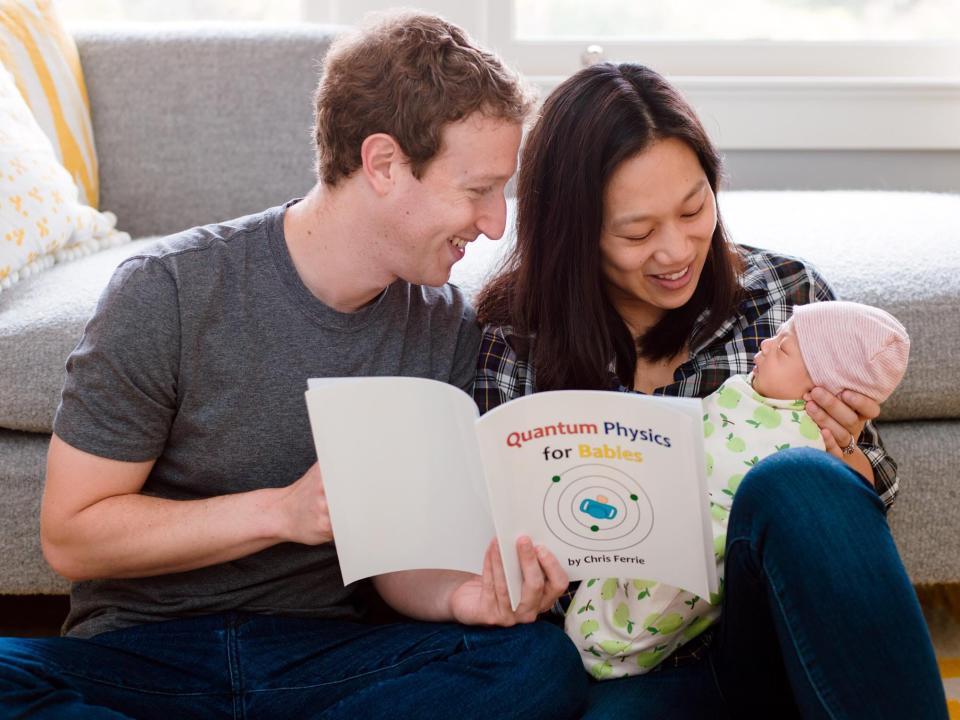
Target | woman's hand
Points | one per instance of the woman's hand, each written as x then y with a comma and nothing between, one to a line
483,600
841,419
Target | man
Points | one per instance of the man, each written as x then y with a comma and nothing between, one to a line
183,497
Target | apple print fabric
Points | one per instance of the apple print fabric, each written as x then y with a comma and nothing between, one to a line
740,428
624,626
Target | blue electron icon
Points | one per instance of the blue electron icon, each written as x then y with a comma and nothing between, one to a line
598,508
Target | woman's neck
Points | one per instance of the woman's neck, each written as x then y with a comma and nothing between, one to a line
652,374
637,316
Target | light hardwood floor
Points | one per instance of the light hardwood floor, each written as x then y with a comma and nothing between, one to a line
941,608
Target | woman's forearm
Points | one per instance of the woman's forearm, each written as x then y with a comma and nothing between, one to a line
861,463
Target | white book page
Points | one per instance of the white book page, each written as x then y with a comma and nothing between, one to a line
402,474
612,483
693,407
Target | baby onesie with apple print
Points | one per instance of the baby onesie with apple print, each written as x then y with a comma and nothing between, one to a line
625,626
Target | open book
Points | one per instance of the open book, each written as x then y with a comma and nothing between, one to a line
612,483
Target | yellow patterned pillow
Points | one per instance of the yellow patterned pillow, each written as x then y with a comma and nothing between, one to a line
44,62
41,220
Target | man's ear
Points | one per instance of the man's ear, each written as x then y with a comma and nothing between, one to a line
381,156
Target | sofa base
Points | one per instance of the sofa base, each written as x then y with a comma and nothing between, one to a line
23,571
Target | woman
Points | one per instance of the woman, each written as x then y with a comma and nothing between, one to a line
623,279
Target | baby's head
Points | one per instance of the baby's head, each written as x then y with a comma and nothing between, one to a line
836,345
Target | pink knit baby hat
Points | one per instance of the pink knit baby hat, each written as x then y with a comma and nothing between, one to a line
846,345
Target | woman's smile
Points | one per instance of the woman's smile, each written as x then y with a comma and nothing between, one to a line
673,281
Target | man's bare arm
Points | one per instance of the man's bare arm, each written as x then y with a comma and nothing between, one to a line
95,523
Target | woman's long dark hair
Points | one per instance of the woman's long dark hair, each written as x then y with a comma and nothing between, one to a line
551,284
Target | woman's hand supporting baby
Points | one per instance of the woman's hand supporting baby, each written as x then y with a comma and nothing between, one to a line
841,419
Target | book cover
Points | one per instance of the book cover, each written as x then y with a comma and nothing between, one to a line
612,483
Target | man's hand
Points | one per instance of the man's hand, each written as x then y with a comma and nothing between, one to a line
483,599
841,419
304,507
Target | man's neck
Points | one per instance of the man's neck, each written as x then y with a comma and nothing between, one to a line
331,249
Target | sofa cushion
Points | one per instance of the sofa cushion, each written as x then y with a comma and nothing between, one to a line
897,250
41,218
42,57
41,321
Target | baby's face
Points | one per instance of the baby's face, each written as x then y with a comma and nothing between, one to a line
779,371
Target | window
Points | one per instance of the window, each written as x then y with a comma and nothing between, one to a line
738,19
743,38
764,74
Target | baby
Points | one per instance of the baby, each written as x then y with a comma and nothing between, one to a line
627,627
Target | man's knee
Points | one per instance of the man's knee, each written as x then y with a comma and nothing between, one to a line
19,667
548,674
26,681
551,645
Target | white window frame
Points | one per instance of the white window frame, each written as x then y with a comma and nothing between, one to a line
751,95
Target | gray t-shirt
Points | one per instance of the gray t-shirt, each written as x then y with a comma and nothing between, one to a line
198,355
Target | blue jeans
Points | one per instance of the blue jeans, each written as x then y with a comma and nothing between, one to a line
819,618
255,666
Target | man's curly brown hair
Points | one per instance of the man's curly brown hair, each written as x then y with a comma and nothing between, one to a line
406,74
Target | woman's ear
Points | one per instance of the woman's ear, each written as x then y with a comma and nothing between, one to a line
380,156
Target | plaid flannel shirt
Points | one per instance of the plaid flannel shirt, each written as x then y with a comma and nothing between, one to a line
772,284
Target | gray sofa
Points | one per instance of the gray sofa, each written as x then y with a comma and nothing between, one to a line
194,126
